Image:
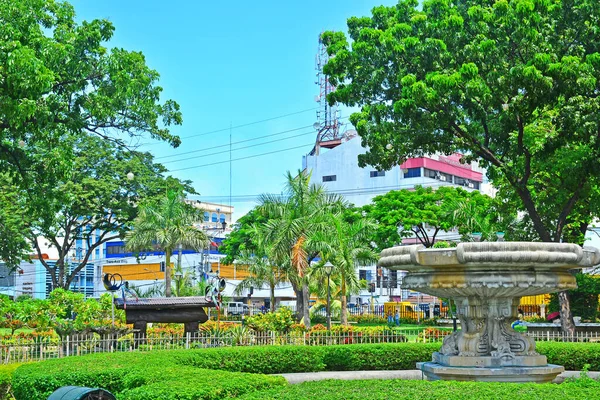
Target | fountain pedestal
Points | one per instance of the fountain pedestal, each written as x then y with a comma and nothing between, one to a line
486,282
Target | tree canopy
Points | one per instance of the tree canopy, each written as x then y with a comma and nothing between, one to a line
425,212
513,84
93,204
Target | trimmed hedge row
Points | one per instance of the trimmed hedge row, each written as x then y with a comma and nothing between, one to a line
221,372
135,376
424,390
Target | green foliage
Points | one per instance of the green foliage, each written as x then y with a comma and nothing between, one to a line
146,376
278,321
166,222
14,246
136,376
512,84
242,238
68,106
583,300
424,390
6,374
573,356
402,213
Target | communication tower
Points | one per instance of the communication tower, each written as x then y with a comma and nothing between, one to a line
328,117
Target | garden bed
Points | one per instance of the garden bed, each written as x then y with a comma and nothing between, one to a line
235,371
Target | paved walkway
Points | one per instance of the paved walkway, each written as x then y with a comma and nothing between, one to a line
406,374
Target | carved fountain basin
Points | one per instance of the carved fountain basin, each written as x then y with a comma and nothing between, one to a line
486,281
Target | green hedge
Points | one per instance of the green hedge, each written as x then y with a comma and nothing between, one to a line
135,376
424,390
572,356
6,375
221,372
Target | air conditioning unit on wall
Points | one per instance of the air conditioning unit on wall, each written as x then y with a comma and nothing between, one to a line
471,185
442,178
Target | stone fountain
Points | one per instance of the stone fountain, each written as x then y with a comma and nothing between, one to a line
486,281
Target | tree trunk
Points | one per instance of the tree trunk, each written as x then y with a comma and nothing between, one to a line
299,302
344,299
566,316
305,311
272,298
167,273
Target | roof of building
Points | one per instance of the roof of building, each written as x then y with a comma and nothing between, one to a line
163,302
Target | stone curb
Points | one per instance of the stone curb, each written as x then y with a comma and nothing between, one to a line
414,374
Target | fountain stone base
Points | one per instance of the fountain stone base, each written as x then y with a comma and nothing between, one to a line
543,374
485,282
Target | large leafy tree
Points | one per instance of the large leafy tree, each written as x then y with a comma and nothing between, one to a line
167,223
59,83
425,212
513,83
291,220
93,204
58,78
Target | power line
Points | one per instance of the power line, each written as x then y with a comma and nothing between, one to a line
240,141
240,126
239,148
242,158
350,191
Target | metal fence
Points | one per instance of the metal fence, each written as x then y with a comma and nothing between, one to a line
25,350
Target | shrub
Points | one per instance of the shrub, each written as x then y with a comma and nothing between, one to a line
134,376
432,335
220,372
424,390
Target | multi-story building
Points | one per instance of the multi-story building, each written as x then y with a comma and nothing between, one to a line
335,165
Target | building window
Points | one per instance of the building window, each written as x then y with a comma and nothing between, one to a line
375,174
115,249
215,218
412,173
362,274
329,178
222,218
206,216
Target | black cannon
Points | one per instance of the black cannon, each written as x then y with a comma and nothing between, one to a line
80,393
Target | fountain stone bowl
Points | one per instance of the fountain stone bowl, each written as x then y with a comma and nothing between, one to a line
486,280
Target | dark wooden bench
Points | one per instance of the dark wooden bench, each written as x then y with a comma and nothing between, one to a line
186,310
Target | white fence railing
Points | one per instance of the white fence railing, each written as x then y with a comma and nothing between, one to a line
25,349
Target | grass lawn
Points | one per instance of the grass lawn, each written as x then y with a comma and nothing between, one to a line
423,390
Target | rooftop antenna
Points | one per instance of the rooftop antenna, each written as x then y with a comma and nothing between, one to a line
328,118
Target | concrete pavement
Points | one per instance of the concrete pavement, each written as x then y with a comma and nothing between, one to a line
405,374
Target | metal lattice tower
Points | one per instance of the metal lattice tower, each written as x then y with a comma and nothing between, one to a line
328,118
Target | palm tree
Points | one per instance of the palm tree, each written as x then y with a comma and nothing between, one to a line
167,224
262,272
346,244
292,219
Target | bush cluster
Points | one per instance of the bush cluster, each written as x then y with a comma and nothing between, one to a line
425,390
221,372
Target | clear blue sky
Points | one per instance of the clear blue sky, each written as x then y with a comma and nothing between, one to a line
231,63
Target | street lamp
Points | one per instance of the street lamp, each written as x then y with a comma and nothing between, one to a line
328,268
130,176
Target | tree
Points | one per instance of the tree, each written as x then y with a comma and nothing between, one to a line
57,79
291,220
424,212
14,245
346,244
242,238
166,224
512,84
59,84
95,203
